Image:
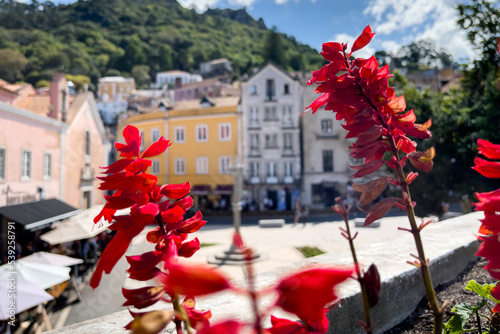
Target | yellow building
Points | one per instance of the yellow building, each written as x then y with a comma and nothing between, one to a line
205,136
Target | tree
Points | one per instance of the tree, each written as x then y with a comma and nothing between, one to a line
273,49
140,73
12,65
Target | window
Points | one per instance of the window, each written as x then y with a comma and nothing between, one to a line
287,116
287,141
155,167
253,90
155,135
254,116
272,141
286,89
87,142
224,163
202,165
270,91
180,134
288,168
328,161
224,131
47,165
254,141
202,133
180,166
2,163
86,200
26,165
270,113
326,126
254,169
143,145
271,169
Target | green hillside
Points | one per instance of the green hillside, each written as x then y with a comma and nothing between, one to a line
114,37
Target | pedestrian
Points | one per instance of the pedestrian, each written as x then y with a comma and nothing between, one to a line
305,214
298,213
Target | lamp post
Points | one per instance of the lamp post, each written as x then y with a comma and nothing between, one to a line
234,255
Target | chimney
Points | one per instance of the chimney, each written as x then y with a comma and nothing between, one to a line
178,82
59,95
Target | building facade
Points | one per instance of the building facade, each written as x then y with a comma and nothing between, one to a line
113,93
205,136
326,157
271,104
176,77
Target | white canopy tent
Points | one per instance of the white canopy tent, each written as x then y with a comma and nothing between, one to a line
44,275
78,227
28,295
51,258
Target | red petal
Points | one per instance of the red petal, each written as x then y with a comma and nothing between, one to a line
133,139
307,292
156,148
176,191
423,160
117,166
143,297
192,224
194,280
187,249
487,168
368,168
363,39
319,102
489,150
379,209
371,190
227,327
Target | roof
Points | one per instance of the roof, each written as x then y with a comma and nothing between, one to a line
217,101
174,72
115,79
40,104
38,214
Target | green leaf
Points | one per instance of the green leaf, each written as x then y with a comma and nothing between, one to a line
463,312
482,290
455,325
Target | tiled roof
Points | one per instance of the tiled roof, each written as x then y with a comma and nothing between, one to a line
40,104
12,87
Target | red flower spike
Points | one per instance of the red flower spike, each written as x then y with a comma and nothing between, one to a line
133,140
423,160
487,168
285,326
185,203
378,210
332,51
175,191
371,190
307,292
143,267
489,150
115,249
143,297
139,166
193,280
363,39
156,148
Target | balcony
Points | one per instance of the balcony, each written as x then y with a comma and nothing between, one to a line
287,123
271,180
254,179
288,151
254,152
87,173
288,179
254,124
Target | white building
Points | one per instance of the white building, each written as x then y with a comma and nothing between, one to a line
272,103
113,94
325,156
175,77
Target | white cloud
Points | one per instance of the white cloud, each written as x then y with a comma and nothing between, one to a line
280,2
202,5
420,19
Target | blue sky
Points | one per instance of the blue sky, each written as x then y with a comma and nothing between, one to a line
396,22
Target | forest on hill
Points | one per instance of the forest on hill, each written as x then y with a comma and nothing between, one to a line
96,38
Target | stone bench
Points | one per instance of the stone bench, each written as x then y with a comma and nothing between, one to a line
271,222
358,222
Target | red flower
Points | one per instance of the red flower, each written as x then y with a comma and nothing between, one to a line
307,292
133,139
156,148
285,326
193,280
363,39
197,319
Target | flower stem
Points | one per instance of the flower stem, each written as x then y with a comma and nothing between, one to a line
183,317
364,295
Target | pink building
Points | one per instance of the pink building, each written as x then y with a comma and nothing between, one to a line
210,87
51,147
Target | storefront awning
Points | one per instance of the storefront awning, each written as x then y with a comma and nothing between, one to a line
39,214
200,189
224,189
